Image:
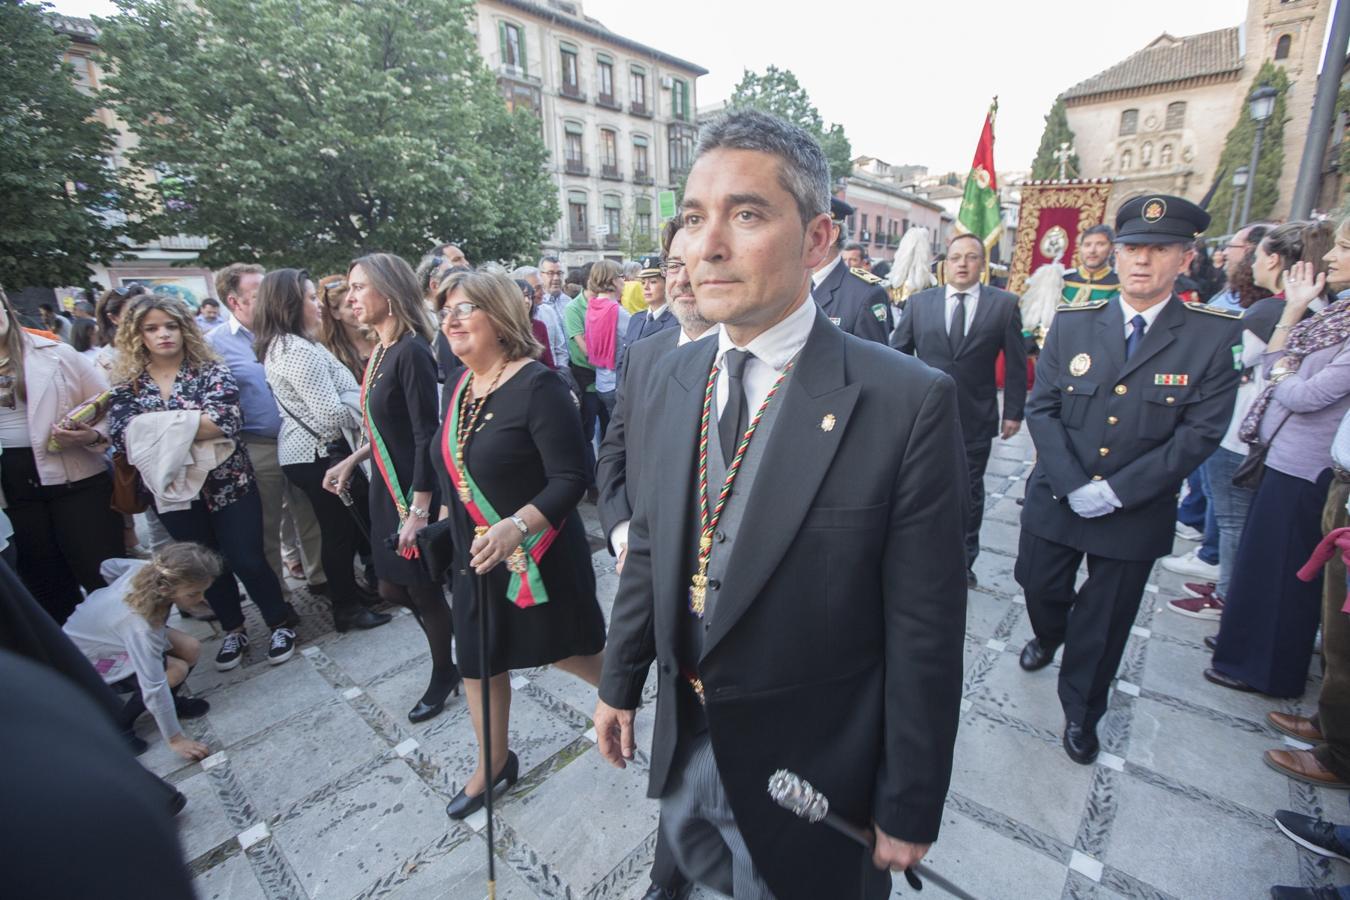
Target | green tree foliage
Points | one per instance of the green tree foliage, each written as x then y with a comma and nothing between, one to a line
777,91
1045,166
58,198
1237,151
306,132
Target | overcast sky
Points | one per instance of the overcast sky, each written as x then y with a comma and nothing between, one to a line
909,81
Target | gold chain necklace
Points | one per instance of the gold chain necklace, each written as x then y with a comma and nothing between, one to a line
469,414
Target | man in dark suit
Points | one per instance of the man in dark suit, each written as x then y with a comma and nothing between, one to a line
1132,393
619,474
853,299
960,328
812,617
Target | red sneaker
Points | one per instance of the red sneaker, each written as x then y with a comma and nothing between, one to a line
1209,608
1199,588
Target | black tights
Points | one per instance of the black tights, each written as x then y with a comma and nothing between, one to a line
427,602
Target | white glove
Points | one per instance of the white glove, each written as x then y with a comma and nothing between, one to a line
1096,498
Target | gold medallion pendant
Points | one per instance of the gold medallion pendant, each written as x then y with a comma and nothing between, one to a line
698,594
516,561
1080,364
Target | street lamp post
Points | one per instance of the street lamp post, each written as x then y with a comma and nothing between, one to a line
1239,182
1261,104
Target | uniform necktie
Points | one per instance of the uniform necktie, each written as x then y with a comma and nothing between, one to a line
1135,337
731,424
956,332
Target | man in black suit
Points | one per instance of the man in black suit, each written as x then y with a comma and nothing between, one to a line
619,474
1132,393
853,299
960,328
813,617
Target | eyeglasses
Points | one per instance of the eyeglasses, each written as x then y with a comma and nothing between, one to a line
461,310
672,267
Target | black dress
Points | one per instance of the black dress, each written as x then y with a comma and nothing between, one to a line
402,398
529,449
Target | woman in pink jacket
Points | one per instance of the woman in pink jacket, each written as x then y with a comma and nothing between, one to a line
58,500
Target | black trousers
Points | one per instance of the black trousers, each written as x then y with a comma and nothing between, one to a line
1093,622
593,413
339,532
977,460
62,532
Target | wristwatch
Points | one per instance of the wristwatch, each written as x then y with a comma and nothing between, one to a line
520,523
418,512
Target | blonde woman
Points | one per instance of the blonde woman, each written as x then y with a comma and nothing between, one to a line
513,460
164,364
121,629
345,338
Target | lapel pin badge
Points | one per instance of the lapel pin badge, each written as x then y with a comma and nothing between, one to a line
827,423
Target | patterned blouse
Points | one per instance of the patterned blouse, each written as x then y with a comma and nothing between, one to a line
210,388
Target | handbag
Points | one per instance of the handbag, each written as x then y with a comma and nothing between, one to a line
436,548
129,496
1249,472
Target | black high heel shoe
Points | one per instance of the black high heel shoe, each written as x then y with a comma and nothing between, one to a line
424,710
464,806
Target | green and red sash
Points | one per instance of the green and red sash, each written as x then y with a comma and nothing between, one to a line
380,450
524,589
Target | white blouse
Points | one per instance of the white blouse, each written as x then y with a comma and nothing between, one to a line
309,382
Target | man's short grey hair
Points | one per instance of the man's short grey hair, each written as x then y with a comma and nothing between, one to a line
548,258
526,272
631,268
803,170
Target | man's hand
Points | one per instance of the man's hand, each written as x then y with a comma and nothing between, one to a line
893,854
1010,428
623,555
1092,500
614,733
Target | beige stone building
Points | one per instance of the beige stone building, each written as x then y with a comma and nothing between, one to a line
618,117
1157,121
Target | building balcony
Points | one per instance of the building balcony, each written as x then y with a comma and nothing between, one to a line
572,92
575,167
608,101
584,243
678,172
638,108
643,178
610,172
611,241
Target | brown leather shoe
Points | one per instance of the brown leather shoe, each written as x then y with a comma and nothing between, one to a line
1300,727
1302,765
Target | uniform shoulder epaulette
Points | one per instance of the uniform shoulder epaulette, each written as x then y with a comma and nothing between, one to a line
1095,304
866,276
1213,311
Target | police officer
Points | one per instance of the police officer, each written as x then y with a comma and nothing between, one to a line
1131,395
1095,279
854,299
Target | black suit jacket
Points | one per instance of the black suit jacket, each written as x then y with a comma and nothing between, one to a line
997,326
834,647
857,306
1095,416
617,474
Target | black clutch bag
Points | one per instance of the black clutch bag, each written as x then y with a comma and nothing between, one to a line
436,548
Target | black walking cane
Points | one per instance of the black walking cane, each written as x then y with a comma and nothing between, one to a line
345,496
795,794
484,610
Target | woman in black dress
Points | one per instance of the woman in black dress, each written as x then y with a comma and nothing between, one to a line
398,400
511,444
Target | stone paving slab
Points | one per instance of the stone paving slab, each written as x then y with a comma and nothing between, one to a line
319,787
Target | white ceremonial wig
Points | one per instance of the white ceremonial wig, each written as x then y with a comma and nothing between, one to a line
912,270
1044,292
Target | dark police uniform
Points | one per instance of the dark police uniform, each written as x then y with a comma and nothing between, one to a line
1141,424
854,299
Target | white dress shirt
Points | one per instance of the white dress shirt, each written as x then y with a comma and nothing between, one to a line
818,276
769,354
1150,315
972,300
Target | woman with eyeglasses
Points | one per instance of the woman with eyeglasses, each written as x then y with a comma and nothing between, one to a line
398,403
57,499
512,461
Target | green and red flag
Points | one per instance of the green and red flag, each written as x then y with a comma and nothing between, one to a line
979,213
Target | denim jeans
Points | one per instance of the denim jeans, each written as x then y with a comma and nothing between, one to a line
1208,551
1191,510
235,532
1230,505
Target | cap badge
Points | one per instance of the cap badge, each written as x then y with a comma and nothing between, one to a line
1154,210
1079,365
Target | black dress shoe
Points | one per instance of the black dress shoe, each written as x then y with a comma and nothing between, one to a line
357,616
1080,742
1214,676
430,709
1212,641
177,802
135,744
464,806
1035,657
680,892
